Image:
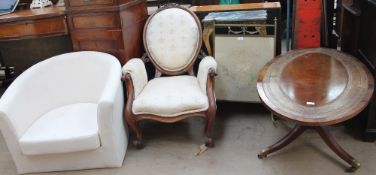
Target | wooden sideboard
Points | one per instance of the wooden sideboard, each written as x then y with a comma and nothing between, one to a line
111,26
24,24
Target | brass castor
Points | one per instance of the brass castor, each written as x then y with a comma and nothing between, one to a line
275,120
209,143
139,144
355,165
262,155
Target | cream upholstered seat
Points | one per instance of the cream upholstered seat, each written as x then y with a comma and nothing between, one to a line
65,113
171,96
172,40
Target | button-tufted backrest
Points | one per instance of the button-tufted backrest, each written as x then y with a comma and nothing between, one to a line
172,39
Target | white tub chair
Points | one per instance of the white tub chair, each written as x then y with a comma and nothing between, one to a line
65,113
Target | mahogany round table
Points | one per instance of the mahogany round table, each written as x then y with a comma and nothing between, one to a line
314,88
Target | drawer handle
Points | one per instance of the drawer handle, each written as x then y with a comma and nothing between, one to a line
87,0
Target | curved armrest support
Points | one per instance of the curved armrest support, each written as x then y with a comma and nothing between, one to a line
7,128
6,123
21,96
207,68
112,84
137,71
110,110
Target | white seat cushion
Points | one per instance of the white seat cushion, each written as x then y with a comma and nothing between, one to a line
66,129
171,96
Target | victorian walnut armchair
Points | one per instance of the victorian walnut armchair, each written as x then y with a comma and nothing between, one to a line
172,40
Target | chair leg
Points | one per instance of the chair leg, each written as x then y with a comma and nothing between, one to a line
209,128
138,142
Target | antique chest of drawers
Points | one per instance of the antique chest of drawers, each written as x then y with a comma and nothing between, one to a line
111,26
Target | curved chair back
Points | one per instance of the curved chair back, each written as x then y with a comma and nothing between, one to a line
172,39
69,78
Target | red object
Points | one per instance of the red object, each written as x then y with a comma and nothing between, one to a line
307,27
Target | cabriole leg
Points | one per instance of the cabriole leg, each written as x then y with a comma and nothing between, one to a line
209,128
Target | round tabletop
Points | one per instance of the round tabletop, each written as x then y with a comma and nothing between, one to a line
315,87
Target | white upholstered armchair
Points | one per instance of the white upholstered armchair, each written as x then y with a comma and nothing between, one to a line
65,113
172,40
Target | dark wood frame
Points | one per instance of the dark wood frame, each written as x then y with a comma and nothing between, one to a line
208,115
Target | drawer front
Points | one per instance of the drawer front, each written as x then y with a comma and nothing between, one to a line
76,3
109,41
31,29
90,21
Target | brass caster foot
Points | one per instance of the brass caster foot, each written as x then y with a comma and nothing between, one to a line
138,144
354,166
262,155
209,143
275,120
